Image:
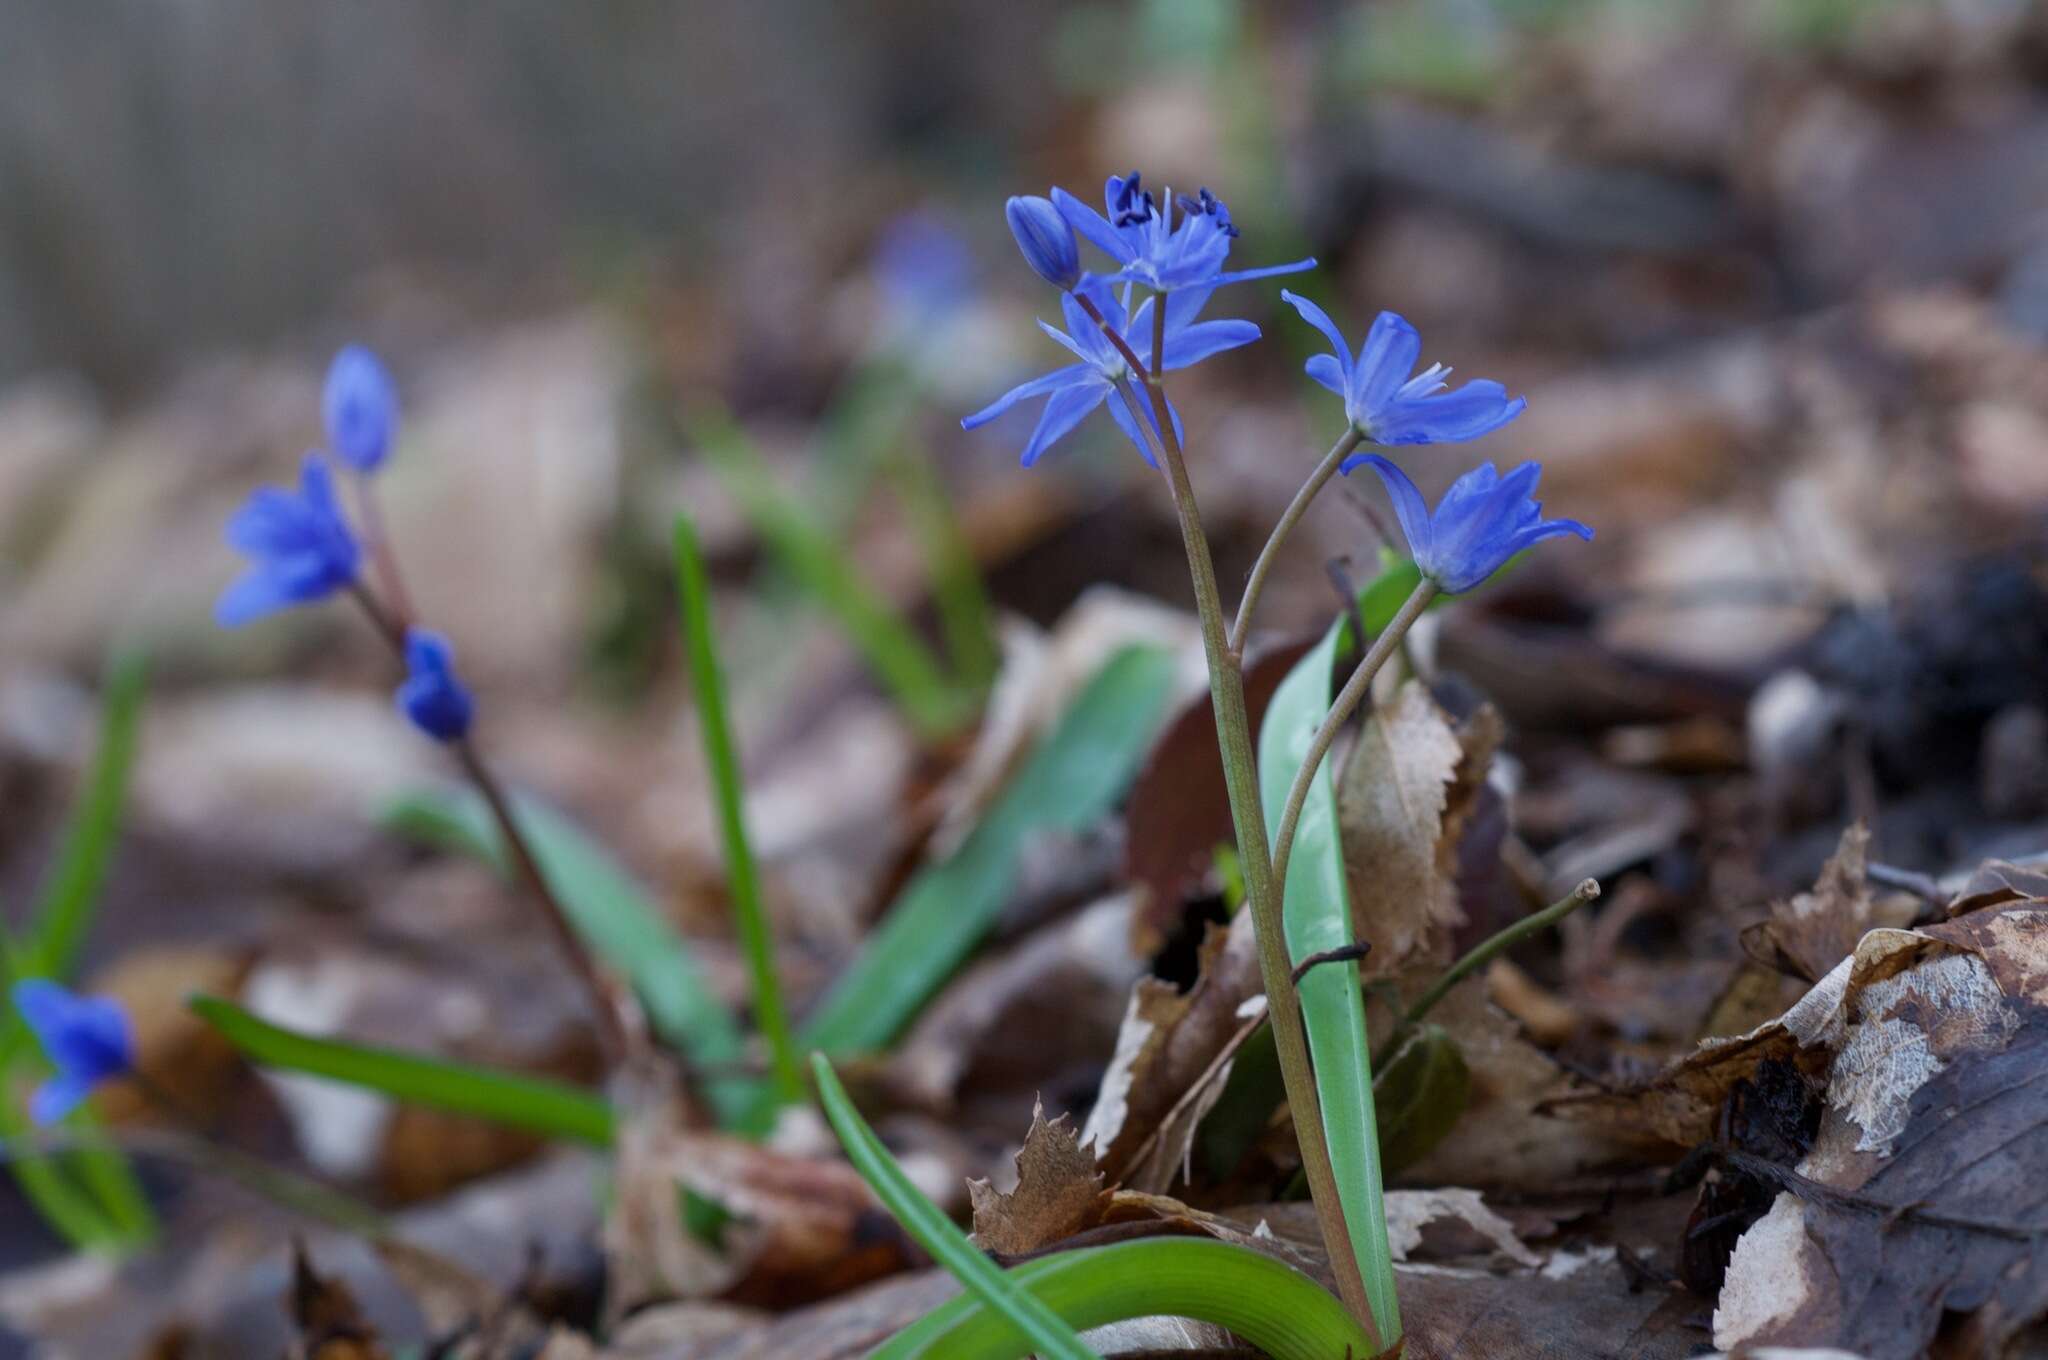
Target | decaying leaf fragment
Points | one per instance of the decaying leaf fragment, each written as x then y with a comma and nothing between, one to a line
1814,931
330,1321
1059,1192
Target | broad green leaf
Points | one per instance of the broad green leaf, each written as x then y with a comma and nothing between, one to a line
1036,1326
551,1108
613,913
1421,1091
1075,775
1317,913
1278,1309
741,875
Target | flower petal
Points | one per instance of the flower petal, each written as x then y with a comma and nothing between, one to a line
1067,408
1409,507
1384,362
1094,226
1320,319
1192,344
57,1097
1048,382
1263,272
1476,409
1325,369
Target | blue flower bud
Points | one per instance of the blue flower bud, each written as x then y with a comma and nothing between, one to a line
1045,238
86,1038
360,407
431,695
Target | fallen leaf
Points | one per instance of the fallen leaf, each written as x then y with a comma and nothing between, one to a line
1396,817
1813,931
330,1322
1059,1192
1411,1211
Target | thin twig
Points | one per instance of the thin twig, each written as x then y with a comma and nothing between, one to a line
1343,953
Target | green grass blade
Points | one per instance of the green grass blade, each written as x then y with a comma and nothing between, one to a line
614,914
1040,1327
1317,914
550,1108
892,650
741,874
965,618
69,1211
1075,775
1278,1309
64,914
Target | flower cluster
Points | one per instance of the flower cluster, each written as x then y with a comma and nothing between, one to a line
1481,522
301,548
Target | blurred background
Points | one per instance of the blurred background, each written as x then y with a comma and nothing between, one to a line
1773,275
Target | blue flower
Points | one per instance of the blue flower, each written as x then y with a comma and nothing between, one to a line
1079,388
360,407
86,1038
923,268
301,544
1482,521
1386,405
1141,237
431,695
1045,238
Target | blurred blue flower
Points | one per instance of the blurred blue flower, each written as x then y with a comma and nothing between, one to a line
86,1038
1141,237
1482,521
1045,238
924,268
1077,389
431,695
301,544
360,407
1386,405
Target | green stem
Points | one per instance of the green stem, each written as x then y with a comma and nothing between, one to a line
1346,704
1268,1303
741,874
1255,584
1484,953
1240,777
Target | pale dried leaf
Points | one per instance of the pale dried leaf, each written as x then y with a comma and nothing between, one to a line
1410,1211
1059,1192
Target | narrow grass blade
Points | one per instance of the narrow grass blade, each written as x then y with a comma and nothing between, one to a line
898,657
69,1211
64,914
1275,1307
1075,775
1039,1327
741,875
550,1108
615,914
965,618
1317,913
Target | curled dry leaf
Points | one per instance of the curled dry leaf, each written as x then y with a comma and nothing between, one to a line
1814,931
1059,1192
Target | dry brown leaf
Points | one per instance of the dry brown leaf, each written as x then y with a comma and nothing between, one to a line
1059,1191
1391,805
1814,931
330,1322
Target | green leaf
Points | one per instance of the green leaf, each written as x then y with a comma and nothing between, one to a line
1077,773
1317,915
64,914
549,1108
741,876
1421,1092
55,1196
1035,1324
891,648
1267,1302
613,913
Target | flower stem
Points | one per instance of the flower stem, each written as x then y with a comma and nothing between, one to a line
1240,777
383,560
1340,712
1484,953
1255,585
611,1031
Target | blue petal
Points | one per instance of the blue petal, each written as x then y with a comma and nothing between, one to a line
1264,272
1120,412
1094,226
268,522
1068,408
1476,409
42,1005
56,1098
1325,369
1320,319
1059,377
1409,507
1384,362
1192,344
